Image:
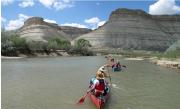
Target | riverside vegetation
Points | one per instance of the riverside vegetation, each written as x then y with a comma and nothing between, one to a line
13,45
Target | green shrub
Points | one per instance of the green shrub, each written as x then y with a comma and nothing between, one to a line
12,44
80,51
58,44
8,49
173,53
36,46
82,43
52,45
19,43
81,48
65,44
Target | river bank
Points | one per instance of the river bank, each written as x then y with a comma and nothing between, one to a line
158,58
6,57
52,53
173,63
165,62
38,54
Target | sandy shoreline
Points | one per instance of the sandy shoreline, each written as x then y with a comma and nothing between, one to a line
164,62
135,59
175,64
7,57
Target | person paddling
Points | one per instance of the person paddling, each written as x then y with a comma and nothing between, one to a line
118,65
111,63
99,85
115,65
100,70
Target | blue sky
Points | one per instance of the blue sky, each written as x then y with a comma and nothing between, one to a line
85,14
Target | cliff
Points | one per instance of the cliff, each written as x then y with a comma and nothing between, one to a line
37,29
74,32
135,29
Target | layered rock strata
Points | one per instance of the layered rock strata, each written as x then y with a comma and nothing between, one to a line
135,29
37,29
74,32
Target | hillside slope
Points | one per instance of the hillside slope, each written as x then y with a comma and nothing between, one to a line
135,29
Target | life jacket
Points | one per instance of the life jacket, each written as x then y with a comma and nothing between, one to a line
92,80
114,65
100,86
118,65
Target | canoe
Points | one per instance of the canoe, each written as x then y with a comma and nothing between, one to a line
99,102
116,69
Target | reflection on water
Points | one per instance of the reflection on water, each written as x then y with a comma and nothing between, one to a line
58,83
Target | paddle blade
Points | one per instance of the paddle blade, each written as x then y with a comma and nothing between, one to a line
81,101
124,66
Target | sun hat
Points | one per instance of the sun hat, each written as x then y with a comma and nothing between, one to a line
99,75
102,69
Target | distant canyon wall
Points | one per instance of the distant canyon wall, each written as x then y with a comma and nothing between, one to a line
135,29
37,29
125,29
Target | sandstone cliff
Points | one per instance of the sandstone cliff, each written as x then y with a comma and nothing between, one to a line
37,29
135,29
74,32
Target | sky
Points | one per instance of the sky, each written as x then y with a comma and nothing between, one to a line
77,13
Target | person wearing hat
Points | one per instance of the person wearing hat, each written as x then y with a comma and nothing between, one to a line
102,70
112,63
99,84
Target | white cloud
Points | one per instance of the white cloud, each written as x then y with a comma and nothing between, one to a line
7,2
47,3
164,7
57,4
50,21
92,21
26,3
15,24
23,17
62,5
3,19
101,23
74,25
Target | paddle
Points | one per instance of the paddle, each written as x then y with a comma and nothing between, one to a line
109,75
124,66
81,101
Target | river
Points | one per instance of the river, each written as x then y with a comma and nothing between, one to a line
58,83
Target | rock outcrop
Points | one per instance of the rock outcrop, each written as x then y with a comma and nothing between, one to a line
135,29
37,29
74,32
